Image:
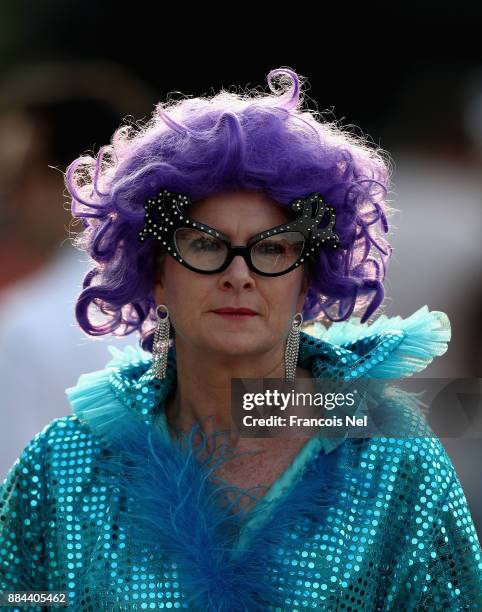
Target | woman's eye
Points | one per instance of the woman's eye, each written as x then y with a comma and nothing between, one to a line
204,244
272,248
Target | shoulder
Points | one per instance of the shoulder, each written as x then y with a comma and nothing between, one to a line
59,442
62,430
413,473
426,454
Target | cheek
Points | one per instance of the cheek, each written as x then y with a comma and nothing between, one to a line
283,294
178,291
185,292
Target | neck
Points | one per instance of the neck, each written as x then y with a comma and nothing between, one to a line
203,391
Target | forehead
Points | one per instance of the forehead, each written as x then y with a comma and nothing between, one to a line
242,212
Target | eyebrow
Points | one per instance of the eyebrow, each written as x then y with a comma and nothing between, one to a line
253,215
224,234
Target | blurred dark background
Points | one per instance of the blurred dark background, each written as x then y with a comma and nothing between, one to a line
408,76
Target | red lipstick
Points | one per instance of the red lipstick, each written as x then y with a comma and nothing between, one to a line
235,313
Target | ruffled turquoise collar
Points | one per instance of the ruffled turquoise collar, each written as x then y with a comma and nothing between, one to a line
388,348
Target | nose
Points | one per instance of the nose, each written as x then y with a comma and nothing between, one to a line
237,275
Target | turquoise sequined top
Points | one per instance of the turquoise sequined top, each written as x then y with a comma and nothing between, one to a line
105,505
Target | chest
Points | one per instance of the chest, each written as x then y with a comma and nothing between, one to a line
260,469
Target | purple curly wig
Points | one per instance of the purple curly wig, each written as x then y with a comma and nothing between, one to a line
231,141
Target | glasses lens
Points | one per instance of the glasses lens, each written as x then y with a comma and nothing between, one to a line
278,253
200,249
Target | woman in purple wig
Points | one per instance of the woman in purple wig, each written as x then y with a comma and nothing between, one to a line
216,230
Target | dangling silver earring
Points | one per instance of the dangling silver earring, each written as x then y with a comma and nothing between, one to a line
292,347
160,345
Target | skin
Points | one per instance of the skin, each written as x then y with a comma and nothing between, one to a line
212,350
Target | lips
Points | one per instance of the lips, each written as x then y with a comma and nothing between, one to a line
235,312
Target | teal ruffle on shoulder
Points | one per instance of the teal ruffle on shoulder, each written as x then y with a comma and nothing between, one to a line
409,345
93,402
98,400
126,356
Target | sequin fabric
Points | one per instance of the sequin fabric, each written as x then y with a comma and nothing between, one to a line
393,531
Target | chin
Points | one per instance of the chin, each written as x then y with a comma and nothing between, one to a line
235,343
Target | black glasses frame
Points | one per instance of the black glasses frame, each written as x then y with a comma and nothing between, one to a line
234,250
166,213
